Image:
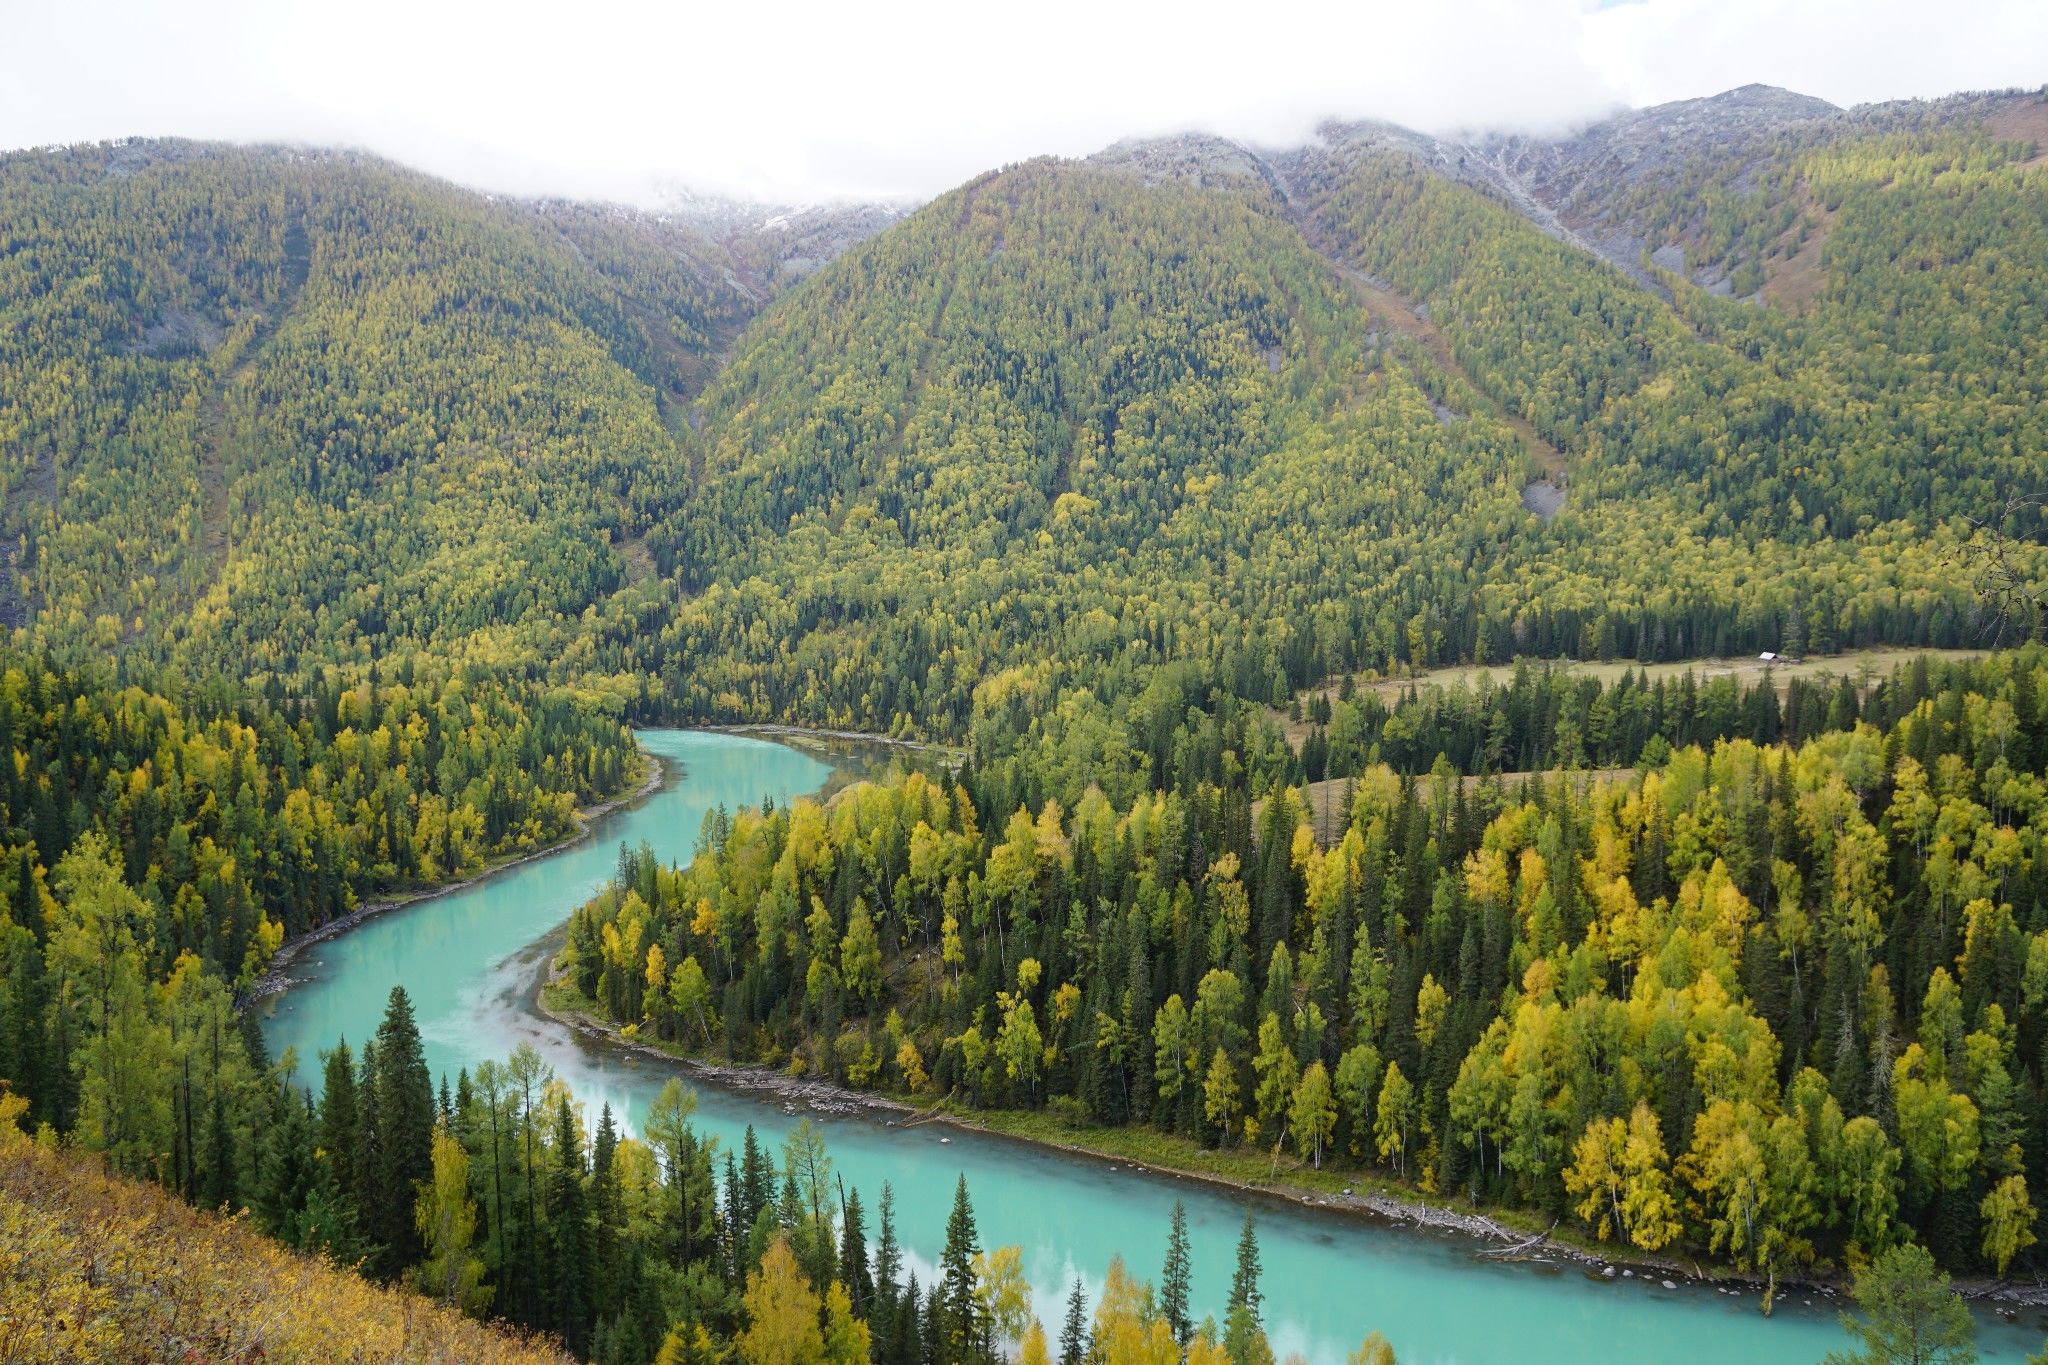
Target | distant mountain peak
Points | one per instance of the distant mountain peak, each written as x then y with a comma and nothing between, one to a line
1746,106
1778,96
1199,158
719,216
795,238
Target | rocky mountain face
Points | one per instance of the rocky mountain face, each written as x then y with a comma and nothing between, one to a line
1631,189
776,245
1567,186
1586,187
1200,159
1640,145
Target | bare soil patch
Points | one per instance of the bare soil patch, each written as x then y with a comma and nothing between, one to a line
1794,282
639,559
2025,122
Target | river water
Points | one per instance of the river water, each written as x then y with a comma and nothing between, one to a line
470,961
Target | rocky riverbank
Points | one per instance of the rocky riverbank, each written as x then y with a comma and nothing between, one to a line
793,1093
1553,1245
952,754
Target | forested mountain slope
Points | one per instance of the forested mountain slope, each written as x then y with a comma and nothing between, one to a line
265,408
1054,407
1811,464
1271,413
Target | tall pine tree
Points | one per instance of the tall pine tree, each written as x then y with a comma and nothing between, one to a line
1173,1279
958,1309
404,1146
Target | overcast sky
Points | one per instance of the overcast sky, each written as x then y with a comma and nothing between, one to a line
801,99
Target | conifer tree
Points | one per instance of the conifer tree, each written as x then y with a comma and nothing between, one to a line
888,1254
1910,1315
607,1219
757,1178
1244,1283
853,1256
286,1172
404,1143
1174,1278
960,1338
1074,1334
735,1225
568,1232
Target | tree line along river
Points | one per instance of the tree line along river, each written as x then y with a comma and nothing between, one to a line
471,960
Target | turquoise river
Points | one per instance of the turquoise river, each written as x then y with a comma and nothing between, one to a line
471,961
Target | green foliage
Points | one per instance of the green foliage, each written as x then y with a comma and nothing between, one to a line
1086,472
1674,1001
267,411
1910,1315
1025,451
241,821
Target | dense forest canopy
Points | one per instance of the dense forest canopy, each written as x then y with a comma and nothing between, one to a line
268,412
1780,995
349,520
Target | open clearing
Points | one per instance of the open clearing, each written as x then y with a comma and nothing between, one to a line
1866,666
1327,807
1794,281
2024,122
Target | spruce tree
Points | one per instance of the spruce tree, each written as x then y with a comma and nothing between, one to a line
340,1127
1174,1278
405,1130
285,1170
1244,1284
911,1337
957,1307
608,1218
757,1178
853,1256
368,1161
568,1233
1074,1335
888,1255
735,1222
933,1347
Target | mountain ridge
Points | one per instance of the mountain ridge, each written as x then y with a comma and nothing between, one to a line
578,432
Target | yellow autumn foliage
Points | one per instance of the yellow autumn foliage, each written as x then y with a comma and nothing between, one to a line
97,1268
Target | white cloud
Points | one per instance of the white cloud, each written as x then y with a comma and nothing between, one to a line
807,99
1847,51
